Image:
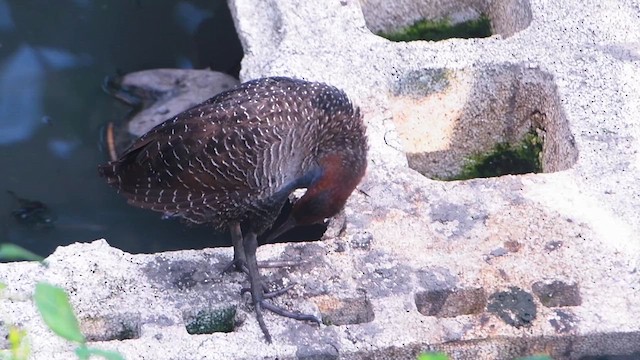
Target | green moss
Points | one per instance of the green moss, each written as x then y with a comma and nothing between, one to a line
436,30
505,158
212,321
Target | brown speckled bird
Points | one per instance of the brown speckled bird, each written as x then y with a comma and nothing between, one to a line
233,160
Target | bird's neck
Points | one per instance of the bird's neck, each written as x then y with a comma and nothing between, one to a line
326,196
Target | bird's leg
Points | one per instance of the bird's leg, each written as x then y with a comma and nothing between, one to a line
239,260
257,289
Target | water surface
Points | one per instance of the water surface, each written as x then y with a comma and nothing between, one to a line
54,56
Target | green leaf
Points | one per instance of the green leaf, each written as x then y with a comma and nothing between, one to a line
54,307
433,356
84,352
15,252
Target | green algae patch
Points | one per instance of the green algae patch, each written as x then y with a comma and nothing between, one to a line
505,159
436,30
212,321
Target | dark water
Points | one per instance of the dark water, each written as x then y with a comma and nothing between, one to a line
54,56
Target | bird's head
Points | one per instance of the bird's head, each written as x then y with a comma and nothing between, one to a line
327,194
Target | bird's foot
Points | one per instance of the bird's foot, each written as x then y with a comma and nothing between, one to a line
260,294
257,290
290,314
269,294
263,304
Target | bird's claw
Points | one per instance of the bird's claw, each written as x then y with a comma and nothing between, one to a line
262,304
290,314
269,294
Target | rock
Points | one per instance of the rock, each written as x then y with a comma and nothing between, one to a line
159,94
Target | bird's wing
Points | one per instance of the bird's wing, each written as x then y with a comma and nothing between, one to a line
216,154
201,156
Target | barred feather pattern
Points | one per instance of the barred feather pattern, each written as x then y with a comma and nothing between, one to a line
237,156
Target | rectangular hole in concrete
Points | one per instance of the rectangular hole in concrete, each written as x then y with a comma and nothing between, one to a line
345,311
444,117
209,321
507,17
118,327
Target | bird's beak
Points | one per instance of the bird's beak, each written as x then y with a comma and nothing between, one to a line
289,224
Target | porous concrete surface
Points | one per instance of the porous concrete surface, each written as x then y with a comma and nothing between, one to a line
481,269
